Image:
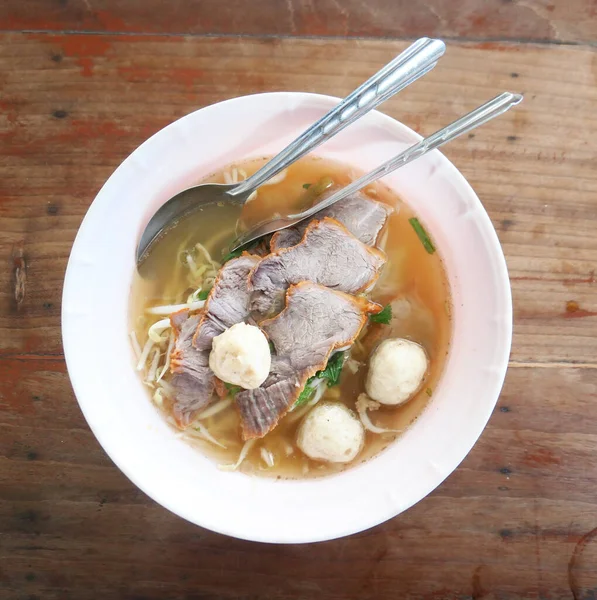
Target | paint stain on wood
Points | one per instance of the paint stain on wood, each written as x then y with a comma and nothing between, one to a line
543,457
82,48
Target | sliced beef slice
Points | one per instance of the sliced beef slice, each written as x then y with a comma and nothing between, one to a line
192,379
363,217
328,255
315,322
228,301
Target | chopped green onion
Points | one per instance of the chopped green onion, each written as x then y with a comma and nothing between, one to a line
306,185
383,316
203,294
422,234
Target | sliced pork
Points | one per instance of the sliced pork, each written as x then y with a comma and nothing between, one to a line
363,217
228,301
315,322
328,255
192,379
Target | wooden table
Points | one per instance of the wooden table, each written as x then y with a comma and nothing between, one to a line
82,83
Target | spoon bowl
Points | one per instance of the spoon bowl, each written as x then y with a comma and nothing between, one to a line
417,60
178,207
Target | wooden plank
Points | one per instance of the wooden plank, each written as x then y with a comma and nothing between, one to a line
517,520
97,97
539,20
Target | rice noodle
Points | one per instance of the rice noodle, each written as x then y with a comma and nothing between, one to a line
157,328
191,263
136,346
207,256
214,409
149,344
243,454
168,309
267,457
203,434
363,403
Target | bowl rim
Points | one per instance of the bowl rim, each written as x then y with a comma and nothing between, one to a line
465,444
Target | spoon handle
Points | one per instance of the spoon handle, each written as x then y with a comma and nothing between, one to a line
419,58
499,105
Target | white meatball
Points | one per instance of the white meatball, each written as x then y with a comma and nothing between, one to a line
331,433
241,356
396,370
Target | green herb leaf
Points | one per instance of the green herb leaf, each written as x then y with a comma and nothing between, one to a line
429,392
232,389
203,294
306,185
333,369
383,316
272,348
331,373
246,248
422,234
235,254
306,394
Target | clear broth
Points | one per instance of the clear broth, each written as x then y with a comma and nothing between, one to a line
411,274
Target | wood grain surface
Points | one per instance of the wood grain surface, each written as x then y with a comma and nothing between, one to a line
518,518
562,21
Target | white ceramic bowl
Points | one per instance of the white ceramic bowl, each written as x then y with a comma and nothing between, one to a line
118,408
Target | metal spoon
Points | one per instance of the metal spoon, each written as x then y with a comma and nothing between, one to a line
499,105
417,60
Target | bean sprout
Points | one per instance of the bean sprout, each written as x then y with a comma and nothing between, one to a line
214,409
203,434
276,178
136,346
169,309
157,328
243,454
153,367
145,353
158,397
168,351
168,389
267,457
363,403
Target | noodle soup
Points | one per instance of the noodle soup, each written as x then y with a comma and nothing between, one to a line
414,307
